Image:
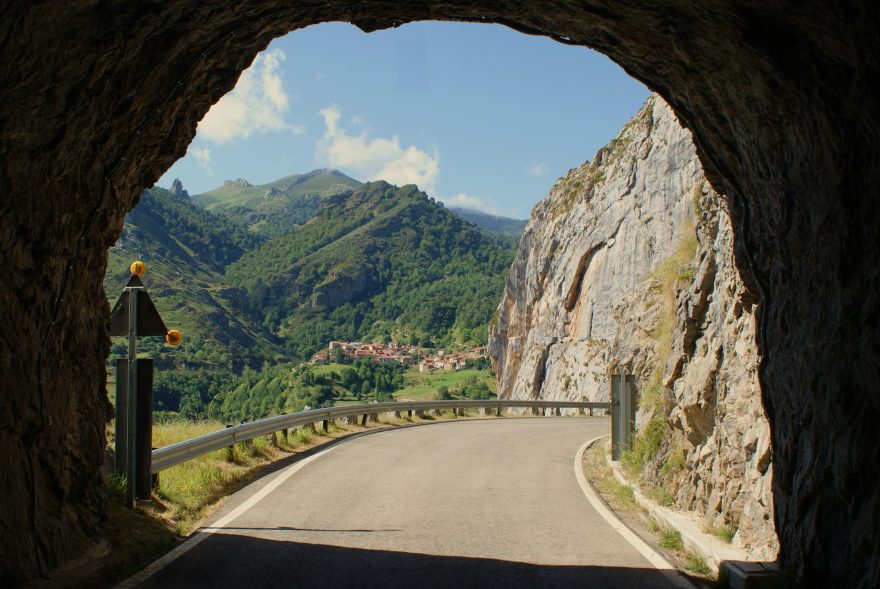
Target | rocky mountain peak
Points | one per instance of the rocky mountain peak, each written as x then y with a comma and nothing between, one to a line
237,183
178,189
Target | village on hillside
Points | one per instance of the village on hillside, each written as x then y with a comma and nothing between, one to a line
393,352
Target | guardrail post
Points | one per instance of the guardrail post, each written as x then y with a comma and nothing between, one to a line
557,411
420,413
273,440
325,425
498,411
154,477
284,436
591,412
230,450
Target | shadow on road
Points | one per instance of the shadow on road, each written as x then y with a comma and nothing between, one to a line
229,560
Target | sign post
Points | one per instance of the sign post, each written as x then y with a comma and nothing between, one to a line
135,315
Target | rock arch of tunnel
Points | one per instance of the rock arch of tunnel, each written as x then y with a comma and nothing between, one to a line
99,98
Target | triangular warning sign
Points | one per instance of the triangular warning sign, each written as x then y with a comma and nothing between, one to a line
148,320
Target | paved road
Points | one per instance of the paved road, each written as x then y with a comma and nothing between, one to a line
458,504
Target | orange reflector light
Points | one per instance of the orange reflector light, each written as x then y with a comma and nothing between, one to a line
173,337
138,268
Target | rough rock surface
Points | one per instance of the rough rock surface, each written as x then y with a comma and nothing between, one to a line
586,296
712,372
706,368
599,232
98,99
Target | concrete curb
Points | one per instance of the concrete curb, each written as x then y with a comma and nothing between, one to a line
712,550
652,556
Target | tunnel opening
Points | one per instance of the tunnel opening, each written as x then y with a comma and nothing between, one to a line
783,130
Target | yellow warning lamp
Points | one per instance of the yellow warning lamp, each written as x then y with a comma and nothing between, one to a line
173,337
138,268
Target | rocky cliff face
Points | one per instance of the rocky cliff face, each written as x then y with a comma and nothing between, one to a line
601,230
628,265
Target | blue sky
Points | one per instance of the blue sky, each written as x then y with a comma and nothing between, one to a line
476,115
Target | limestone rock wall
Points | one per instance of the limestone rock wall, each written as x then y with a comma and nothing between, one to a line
596,235
659,297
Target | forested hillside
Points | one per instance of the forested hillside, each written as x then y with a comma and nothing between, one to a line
256,295
186,250
376,263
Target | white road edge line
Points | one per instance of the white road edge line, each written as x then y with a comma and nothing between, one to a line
649,553
204,533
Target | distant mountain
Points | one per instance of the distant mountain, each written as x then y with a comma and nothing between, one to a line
275,208
491,223
374,263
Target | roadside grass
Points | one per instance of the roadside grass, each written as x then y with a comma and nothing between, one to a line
695,564
667,536
620,498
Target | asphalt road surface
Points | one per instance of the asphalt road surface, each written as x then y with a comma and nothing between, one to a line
489,503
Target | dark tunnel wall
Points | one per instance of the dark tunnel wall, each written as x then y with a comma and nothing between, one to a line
99,98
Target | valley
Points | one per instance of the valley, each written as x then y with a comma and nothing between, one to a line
260,278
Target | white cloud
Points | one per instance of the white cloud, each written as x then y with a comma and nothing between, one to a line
539,169
203,158
467,201
256,105
375,159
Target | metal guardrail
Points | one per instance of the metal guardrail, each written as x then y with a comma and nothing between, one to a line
169,456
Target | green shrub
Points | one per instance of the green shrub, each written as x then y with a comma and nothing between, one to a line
669,537
647,444
695,564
